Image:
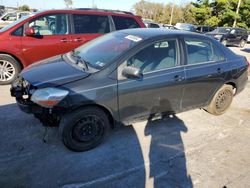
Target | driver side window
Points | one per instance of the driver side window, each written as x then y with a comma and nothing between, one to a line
160,55
50,25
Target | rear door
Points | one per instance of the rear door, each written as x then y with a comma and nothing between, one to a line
160,89
232,37
51,37
87,27
205,70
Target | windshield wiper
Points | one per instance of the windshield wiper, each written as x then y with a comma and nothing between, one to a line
83,64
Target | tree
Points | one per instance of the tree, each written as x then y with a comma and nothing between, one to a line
222,13
68,3
24,8
201,11
162,13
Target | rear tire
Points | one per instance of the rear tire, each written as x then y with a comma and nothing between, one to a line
84,129
9,69
224,42
242,43
221,100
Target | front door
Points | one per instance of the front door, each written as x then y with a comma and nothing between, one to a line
159,90
51,38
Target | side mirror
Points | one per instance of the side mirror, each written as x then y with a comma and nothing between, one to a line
30,32
132,72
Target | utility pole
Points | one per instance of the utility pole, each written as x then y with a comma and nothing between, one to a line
237,12
171,17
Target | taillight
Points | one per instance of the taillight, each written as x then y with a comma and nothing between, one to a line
248,63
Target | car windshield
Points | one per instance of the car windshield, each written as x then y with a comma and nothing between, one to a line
101,51
186,27
221,30
15,22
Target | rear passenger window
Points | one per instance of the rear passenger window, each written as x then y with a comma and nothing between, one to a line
90,24
124,22
202,51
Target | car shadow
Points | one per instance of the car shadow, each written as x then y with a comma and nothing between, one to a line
27,161
245,50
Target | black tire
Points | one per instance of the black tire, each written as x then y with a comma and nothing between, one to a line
221,100
84,129
224,42
242,43
9,69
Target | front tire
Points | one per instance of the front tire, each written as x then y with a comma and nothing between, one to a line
9,69
84,129
221,100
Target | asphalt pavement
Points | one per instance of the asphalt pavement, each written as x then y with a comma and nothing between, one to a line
191,149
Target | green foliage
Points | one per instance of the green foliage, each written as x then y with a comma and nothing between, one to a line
24,8
221,13
162,13
212,21
202,12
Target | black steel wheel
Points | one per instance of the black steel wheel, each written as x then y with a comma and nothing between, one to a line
84,129
221,100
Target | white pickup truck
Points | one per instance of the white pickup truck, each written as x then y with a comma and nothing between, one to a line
10,17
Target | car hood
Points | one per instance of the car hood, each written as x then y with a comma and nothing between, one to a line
52,72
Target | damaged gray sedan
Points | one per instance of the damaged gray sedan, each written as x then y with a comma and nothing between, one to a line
128,76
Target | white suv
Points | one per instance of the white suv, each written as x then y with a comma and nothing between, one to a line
10,17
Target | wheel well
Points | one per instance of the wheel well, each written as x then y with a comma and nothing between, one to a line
234,86
17,59
107,112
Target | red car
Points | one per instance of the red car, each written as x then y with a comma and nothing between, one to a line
53,32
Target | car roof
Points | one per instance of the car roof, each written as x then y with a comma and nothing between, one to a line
232,28
153,32
90,10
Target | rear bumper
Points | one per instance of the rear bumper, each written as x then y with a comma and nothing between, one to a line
242,82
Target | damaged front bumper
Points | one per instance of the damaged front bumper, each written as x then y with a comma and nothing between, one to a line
22,91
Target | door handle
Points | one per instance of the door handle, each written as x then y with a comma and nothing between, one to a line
219,70
78,40
64,40
178,78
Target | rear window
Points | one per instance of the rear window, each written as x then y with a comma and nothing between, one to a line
90,24
202,51
152,25
124,22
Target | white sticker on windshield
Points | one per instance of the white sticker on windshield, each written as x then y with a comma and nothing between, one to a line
99,63
133,38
